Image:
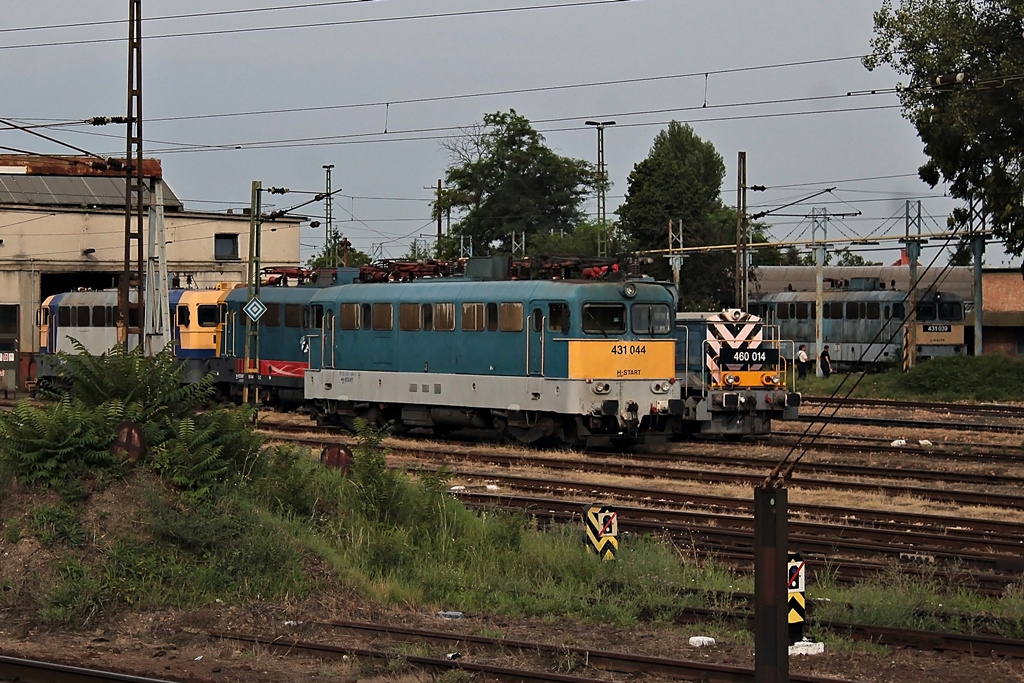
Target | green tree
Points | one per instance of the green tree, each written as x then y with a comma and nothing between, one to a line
681,180
972,130
848,258
504,179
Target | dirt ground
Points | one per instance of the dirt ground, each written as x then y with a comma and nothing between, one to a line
174,646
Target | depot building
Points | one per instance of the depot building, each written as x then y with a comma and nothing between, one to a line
62,228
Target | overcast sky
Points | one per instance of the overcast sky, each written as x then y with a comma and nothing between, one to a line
374,87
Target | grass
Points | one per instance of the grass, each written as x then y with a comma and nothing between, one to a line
955,378
247,523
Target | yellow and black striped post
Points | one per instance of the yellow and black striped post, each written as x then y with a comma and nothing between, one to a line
796,586
602,530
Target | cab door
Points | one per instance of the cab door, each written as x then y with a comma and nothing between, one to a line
535,339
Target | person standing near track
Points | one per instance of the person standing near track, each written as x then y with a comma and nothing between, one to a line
802,361
825,362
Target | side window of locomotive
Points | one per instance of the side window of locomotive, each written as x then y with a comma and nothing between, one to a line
427,311
604,318
834,310
852,310
871,311
272,316
409,317
99,318
952,311
444,317
64,316
802,310
472,317
208,315
491,315
651,319
83,316
510,317
782,311
538,320
184,316
383,317
367,314
349,316
293,315
898,311
558,317
926,311
313,317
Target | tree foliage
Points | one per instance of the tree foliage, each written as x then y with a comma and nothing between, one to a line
972,131
504,179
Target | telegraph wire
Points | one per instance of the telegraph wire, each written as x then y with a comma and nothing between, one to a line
321,24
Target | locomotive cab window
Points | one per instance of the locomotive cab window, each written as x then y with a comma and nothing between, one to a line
208,315
952,311
349,315
558,318
926,311
99,316
184,316
651,319
427,311
83,316
604,318
367,314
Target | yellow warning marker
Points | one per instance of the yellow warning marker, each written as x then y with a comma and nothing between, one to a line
796,586
602,530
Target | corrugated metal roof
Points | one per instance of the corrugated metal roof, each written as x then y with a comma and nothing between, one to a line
72,192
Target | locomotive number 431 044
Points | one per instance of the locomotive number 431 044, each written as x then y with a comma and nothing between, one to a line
629,349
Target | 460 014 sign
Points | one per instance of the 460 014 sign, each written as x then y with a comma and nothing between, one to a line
629,349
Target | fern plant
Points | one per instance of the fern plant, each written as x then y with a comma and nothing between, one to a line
155,382
54,444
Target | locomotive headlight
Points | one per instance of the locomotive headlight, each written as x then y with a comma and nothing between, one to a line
732,380
601,387
629,290
770,379
661,386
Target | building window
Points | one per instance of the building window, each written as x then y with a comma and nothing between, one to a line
225,247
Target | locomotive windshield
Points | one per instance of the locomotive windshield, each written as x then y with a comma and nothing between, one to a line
651,318
951,310
604,318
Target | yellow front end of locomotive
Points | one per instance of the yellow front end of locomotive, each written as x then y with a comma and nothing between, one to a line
607,359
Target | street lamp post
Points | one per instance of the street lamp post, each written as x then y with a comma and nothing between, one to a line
602,186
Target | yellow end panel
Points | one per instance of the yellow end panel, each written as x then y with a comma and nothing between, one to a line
622,360
195,336
939,333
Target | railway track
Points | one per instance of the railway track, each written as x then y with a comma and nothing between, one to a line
34,671
548,659
974,409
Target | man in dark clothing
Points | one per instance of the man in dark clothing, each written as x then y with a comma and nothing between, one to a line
826,363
